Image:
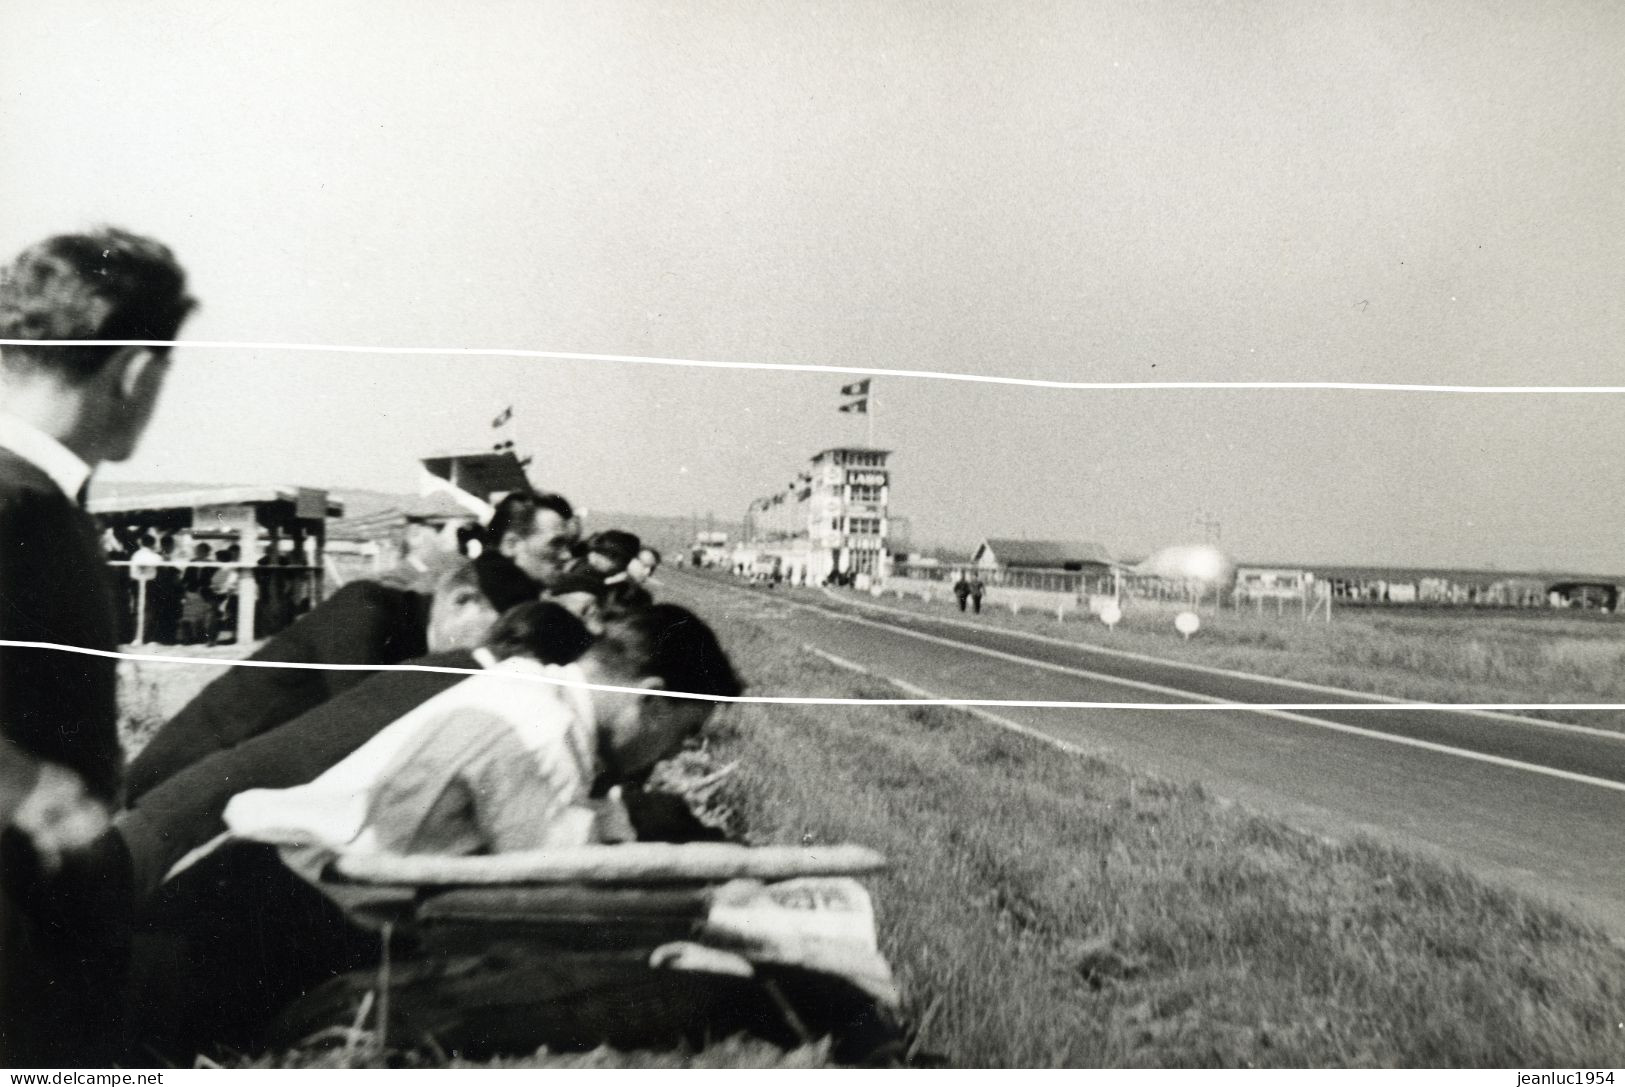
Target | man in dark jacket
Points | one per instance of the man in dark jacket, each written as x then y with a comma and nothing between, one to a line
67,409
184,811
364,623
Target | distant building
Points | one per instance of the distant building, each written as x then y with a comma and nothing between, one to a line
831,519
710,549
476,481
457,493
1076,556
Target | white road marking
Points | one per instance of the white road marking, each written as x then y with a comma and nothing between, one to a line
1473,709
976,711
1211,703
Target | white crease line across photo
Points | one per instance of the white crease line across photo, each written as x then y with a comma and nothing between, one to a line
871,371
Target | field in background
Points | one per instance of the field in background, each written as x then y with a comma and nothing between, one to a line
1422,654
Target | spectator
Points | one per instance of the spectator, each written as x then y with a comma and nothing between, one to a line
976,591
610,552
64,927
184,811
594,599
164,595
644,566
223,588
425,556
536,531
500,765
495,761
197,606
362,623
962,591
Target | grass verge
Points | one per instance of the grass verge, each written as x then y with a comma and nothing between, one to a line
1049,910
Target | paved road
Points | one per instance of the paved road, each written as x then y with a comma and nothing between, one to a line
1538,808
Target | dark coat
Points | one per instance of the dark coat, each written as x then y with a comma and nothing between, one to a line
62,944
363,623
184,811
55,587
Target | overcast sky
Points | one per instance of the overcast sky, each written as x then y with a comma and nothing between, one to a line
1388,192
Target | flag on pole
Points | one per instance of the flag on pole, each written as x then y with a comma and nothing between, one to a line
856,388
859,406
503,418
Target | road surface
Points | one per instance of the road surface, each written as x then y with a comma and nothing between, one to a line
1537,807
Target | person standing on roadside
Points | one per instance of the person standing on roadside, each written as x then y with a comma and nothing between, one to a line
63,411
976,591
961,591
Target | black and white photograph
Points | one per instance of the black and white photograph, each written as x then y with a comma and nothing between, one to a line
651,535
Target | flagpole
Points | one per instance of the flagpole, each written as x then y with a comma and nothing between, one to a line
870,415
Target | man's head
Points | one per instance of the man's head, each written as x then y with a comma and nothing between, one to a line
643,567
580,591
663,647
541,630
421,539
611,551
470,599
595,599
535,531
105,285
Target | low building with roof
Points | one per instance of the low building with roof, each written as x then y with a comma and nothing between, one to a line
1073,556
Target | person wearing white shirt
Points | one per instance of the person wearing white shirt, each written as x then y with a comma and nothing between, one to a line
513,758
519,756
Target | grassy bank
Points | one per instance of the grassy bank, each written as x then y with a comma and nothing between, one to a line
1426,655
1051,910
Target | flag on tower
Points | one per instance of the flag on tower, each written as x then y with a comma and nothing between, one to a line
503,418
859,406
856,388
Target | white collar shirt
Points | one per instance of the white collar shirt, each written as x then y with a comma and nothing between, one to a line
44,452
553,720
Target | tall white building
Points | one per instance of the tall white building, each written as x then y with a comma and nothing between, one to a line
832,518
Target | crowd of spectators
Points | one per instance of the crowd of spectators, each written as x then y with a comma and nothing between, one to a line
157,909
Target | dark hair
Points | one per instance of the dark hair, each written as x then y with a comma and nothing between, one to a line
670,643
105,285
578,579
496,577
516,513
618,546
540,629
622,598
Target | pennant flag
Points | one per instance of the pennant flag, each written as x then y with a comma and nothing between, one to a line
504,418
859,406
502,447
857,388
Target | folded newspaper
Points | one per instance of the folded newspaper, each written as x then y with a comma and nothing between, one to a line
826,924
